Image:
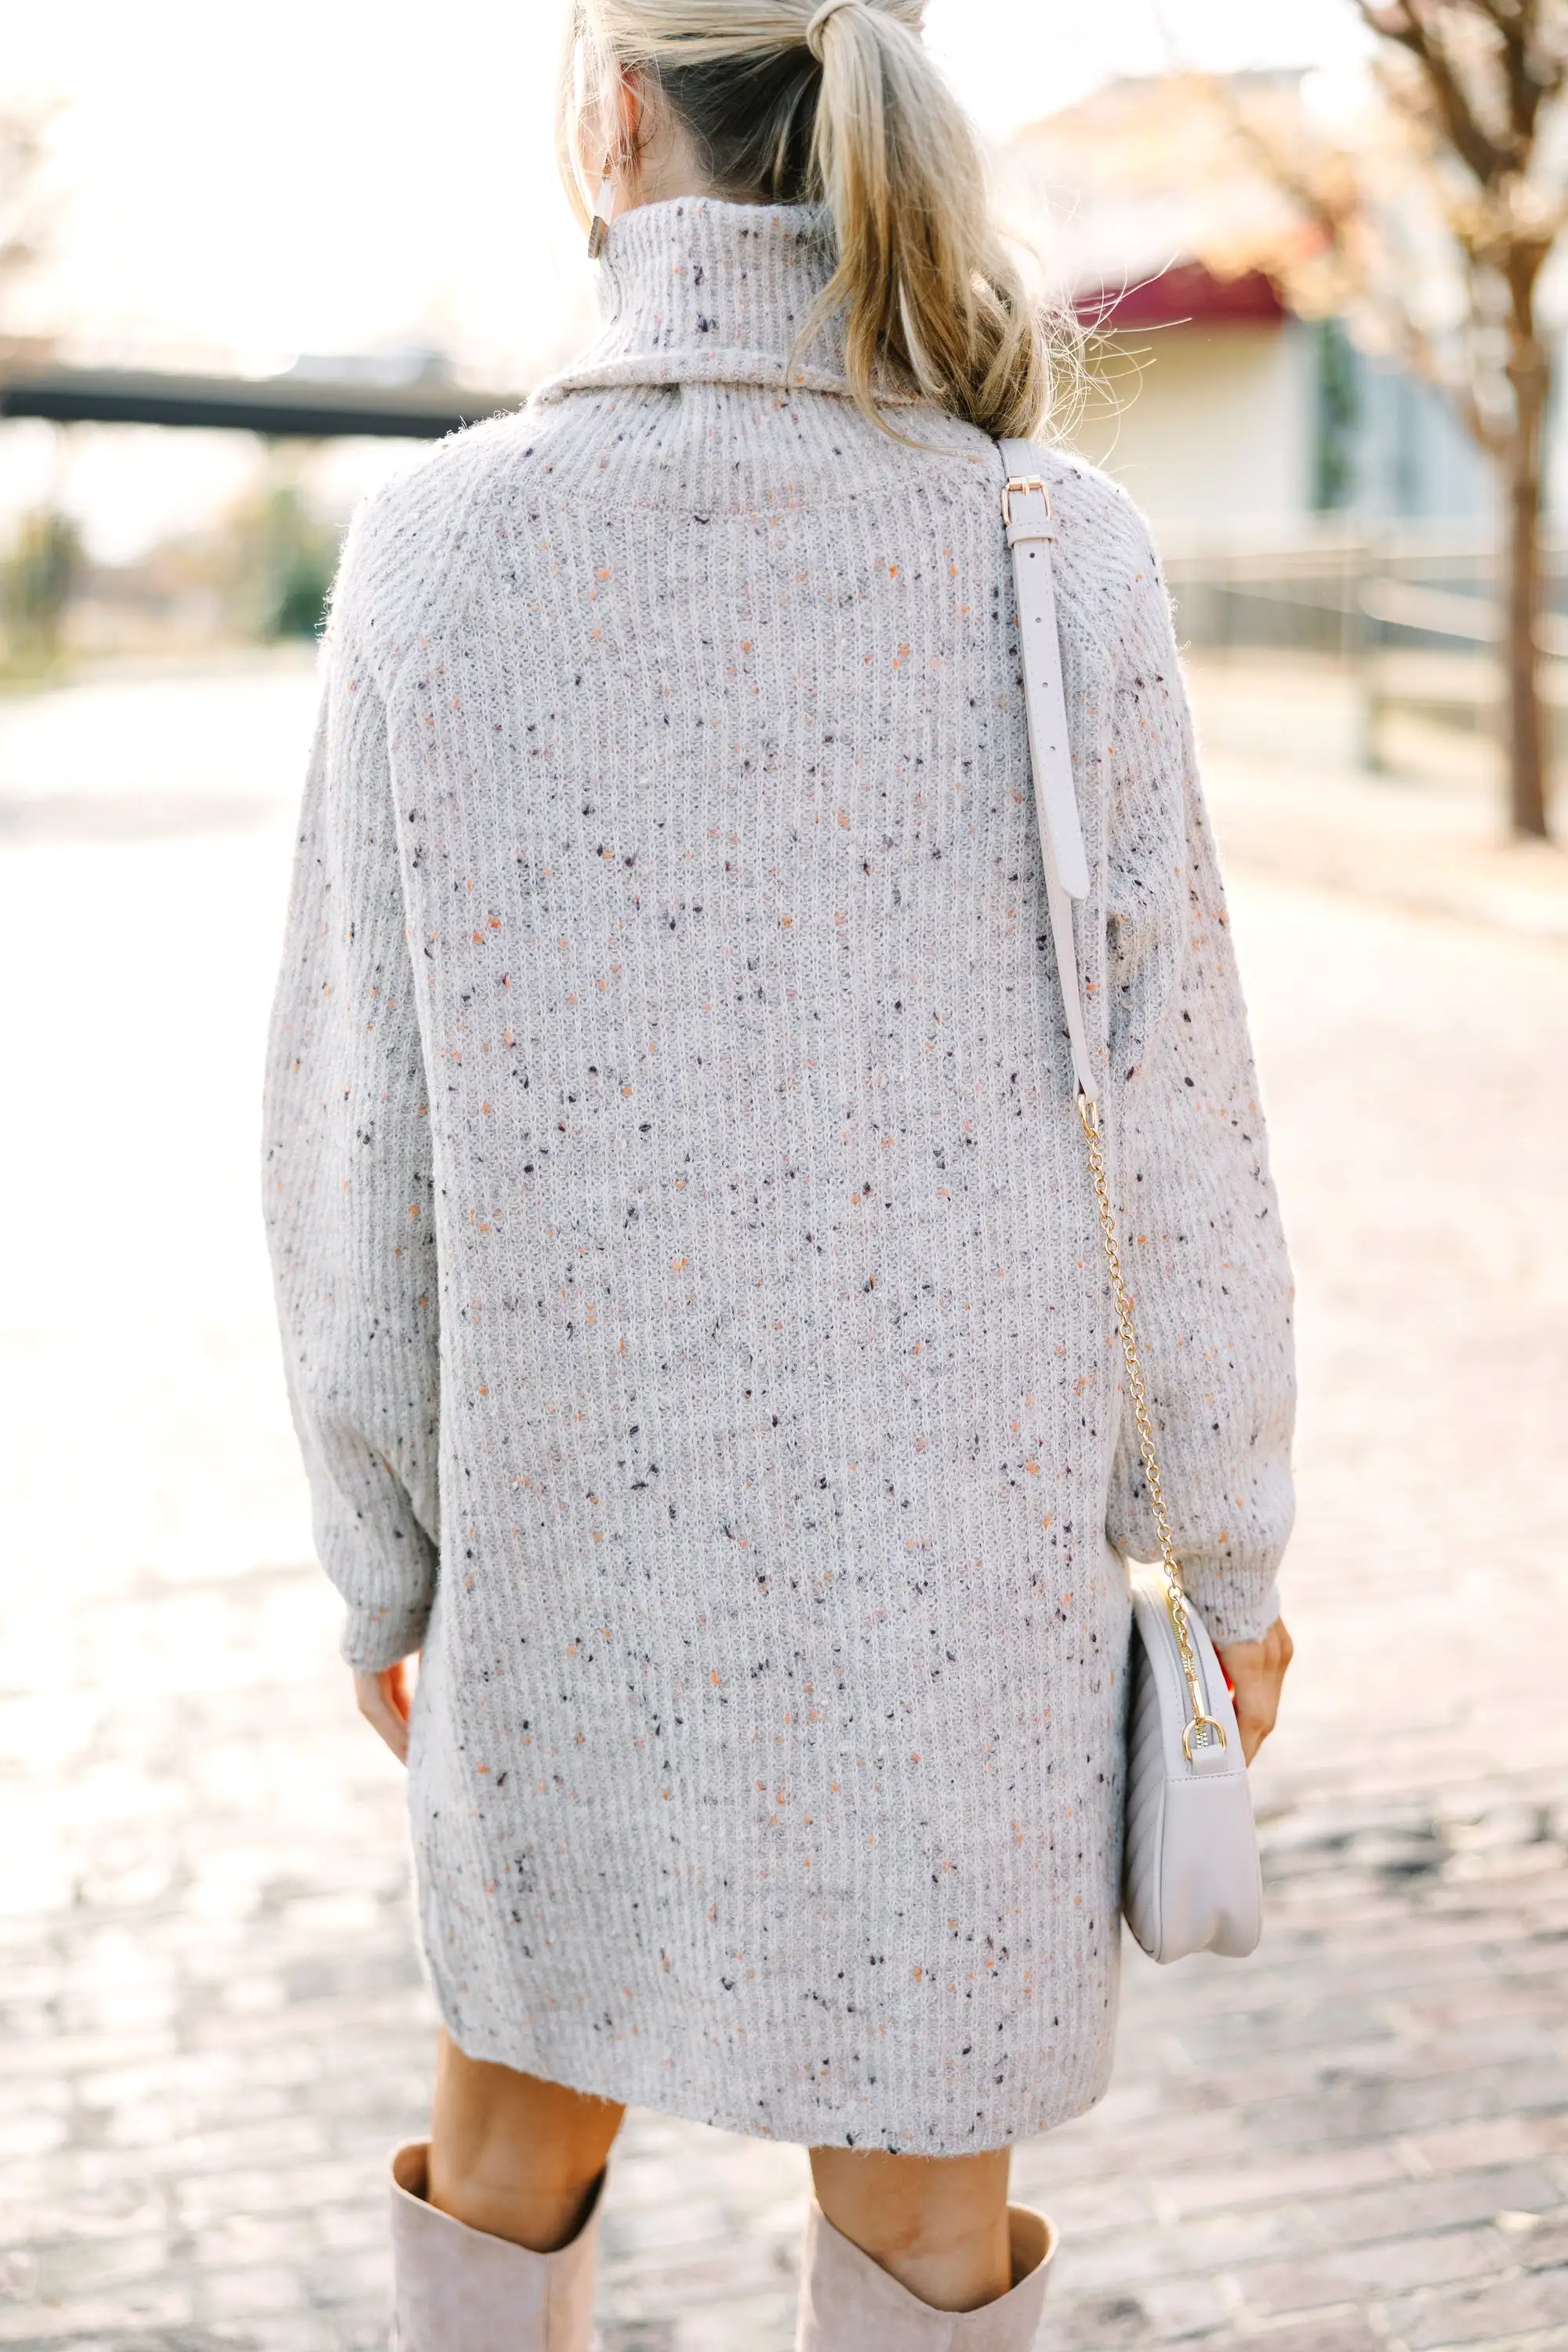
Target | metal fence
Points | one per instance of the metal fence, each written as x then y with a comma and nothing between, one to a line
1416,619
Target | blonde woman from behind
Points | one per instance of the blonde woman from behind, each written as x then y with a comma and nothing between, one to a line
686,1263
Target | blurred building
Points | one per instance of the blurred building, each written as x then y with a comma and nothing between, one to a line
1218,408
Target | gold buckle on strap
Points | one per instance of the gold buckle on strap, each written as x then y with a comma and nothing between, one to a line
1020,483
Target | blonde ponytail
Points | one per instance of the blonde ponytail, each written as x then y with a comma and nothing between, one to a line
840,105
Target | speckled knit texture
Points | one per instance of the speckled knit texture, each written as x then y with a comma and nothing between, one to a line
692,1298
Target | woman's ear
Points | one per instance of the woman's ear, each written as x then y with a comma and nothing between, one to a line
631,104
613,125
635,97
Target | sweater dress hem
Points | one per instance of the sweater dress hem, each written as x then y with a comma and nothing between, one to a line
650,2082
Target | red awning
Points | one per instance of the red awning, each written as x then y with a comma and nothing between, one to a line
1188,294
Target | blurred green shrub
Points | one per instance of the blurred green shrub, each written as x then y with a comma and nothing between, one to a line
38,577
285,555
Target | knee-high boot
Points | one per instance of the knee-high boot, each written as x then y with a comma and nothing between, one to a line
460,2290
849,2303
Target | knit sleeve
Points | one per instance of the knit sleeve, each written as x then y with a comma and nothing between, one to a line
1202,1244
348,1184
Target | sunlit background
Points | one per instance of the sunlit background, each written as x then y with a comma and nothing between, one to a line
224,191
343,197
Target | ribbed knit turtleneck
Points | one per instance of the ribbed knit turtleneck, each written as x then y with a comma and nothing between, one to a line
697,291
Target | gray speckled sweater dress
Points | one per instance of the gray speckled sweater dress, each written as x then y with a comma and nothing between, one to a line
689,1282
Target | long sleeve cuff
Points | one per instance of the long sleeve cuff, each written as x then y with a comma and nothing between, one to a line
374,1638
1234,1607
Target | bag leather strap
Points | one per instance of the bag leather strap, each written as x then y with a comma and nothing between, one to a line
1026,511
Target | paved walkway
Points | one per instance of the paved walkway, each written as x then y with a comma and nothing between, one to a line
212,2023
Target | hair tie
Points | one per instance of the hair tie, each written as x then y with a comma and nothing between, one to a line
815,27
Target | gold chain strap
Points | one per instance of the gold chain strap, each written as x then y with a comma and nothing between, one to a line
1176,1590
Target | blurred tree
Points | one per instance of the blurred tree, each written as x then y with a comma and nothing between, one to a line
41,570
1339,413
261,569
281,557
24,209
302,552
1426,228
37,578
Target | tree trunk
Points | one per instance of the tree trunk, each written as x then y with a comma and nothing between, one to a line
1526,732
1529,371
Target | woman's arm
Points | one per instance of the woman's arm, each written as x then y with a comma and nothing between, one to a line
1203,1246
348,1181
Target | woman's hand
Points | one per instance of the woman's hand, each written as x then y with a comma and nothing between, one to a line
384,1701
1255,1671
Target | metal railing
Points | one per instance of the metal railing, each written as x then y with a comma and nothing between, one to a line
1416,617
289,406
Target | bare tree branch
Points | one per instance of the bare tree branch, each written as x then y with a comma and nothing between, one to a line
23,133
1480,78
1525,88
1405,24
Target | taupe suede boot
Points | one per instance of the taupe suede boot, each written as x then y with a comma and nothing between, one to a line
850,2303
460,2290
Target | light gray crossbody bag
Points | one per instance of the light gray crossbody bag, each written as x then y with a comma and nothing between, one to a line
1189,1881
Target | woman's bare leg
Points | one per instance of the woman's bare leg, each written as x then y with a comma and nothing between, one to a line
514,2155
518,2157
937,2224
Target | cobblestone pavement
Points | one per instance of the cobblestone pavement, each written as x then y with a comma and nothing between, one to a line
214,2025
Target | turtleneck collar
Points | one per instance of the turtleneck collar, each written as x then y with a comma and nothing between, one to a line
697,291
